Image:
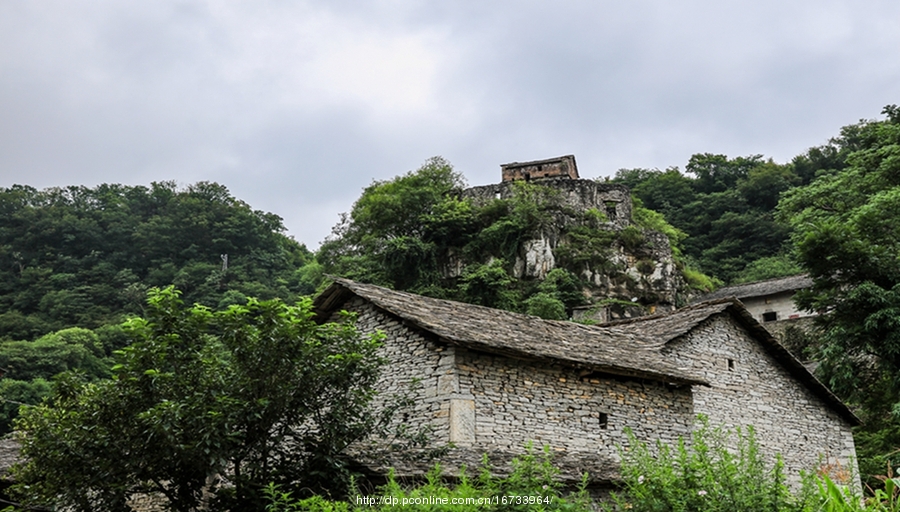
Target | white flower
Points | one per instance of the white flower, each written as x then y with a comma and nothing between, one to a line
701,493
641,479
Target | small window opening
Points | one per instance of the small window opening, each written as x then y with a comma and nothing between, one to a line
527,176
610,210
771,316
731,365
604,420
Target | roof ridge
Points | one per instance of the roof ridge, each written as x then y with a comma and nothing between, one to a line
771,279
689,307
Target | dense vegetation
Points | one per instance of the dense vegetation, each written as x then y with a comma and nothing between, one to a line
74,262
704,474
726,207
846,232
417,233
255,394
82,257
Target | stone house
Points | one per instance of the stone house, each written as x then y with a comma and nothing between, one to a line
767,301
488,381
771,302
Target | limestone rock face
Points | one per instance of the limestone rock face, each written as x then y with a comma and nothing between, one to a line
535,259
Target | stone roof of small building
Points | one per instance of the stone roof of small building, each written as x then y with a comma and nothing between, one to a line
610,350
629,348
760,288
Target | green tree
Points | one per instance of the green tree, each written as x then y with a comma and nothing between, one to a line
722,217
769,267
79,256
224,402
31,365
394,234
718,173
847,238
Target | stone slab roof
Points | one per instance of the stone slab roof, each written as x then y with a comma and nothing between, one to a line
609,350
626,347
760,288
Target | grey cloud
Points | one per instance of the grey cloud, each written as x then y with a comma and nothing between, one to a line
282,102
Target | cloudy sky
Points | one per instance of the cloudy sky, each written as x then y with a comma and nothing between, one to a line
296,106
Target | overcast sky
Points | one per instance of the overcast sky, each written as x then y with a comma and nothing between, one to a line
296,106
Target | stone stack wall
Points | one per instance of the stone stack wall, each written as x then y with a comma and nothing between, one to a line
517,401
578,195
155,502
749,387
416,365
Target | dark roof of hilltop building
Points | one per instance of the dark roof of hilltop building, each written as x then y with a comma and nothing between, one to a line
760,288
630,348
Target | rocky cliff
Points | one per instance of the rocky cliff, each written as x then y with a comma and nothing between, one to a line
627,271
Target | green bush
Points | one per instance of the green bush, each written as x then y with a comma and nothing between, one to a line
717,471
721,470
702,475
545,306
533,486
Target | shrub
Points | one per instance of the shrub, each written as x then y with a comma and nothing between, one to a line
702,475
534,476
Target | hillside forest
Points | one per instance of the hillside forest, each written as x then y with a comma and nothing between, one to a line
76,262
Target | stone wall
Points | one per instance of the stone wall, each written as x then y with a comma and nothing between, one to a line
155,502
517,401
417,365
486,404
579,195
749,387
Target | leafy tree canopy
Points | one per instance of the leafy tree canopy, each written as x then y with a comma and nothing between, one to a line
30,366
724,206
79,256
846,234
224,402
845,230
417,232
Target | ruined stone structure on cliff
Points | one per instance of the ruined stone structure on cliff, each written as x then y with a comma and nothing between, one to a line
487,381
644,274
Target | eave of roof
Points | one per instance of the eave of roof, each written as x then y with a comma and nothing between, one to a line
760,288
